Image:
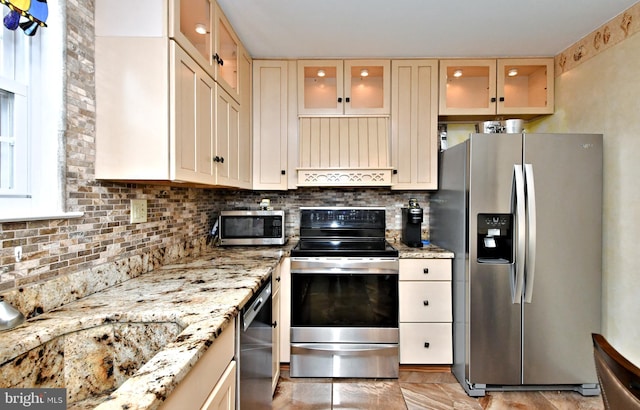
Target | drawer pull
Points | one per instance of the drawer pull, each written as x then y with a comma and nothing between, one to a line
425,270
426,345
425,302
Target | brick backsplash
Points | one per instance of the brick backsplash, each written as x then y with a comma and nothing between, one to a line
177,216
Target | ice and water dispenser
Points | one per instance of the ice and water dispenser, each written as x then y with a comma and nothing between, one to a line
495,238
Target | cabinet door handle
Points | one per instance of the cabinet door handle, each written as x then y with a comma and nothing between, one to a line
501,99
278,279
425,302
275,324
283,172
339,99
216,159
425,271
426,345
347,99
493,99
394,172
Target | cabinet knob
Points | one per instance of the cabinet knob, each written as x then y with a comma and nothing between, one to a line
339,99
501,99
216,159
426,345
493,99
347,99
221,159
275,324
425,302
283,172
278,279
394,172
425,271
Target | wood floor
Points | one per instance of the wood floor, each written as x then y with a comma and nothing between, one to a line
414,389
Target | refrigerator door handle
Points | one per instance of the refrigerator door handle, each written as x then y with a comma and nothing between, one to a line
530,261
518,206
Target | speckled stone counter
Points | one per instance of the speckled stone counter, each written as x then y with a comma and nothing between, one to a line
201,295
196,299
426,252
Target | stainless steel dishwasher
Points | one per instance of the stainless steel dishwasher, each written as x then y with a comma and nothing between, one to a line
254,388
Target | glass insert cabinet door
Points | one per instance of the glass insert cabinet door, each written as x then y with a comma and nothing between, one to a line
490,87
336,87
467,87
193,27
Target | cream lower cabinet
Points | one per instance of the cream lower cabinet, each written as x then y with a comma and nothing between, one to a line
276,281
425,311
414,124
285,311
211,383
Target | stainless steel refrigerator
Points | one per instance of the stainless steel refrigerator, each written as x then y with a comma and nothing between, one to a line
523,215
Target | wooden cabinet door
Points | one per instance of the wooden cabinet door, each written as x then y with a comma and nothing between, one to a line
467,87
193,98
525,86
275,356
227,148
223,396
270,124
191,25
414,123
320,87
226,55
245,142
367,84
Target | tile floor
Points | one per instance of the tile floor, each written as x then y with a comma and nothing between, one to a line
414,389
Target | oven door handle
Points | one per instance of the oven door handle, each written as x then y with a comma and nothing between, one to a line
343,349
342,266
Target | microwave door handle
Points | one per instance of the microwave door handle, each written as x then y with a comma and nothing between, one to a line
530,263
518,206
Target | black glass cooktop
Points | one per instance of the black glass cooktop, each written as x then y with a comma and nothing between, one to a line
332,231
375,247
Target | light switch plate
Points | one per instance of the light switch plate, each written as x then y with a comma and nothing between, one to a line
138,210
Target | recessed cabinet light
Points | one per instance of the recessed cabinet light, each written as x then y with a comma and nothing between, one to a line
201,28
457,73
512,72
321,73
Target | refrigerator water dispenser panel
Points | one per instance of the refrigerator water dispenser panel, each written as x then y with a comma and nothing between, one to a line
495,238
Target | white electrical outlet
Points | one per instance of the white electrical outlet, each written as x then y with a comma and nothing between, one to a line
138,210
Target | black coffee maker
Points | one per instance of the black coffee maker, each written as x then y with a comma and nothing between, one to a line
412,217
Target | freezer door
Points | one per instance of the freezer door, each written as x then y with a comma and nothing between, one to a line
494,327
565,290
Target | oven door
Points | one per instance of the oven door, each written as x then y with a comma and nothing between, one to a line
344,317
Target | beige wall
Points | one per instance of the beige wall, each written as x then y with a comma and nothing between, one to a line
602,95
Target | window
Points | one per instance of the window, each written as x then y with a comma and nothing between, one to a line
32,120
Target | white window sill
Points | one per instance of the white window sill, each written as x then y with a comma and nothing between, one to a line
40,217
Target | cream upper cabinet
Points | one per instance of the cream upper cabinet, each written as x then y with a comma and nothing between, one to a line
349,87
192,97
160,115
226,55
270,124
496,87
414,123
203,31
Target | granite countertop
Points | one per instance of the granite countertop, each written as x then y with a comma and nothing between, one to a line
201,294
426,252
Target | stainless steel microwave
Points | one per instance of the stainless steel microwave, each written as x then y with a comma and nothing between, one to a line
252,227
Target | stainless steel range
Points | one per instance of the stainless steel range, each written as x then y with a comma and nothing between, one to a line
344,295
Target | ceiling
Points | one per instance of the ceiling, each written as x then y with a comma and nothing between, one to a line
415,28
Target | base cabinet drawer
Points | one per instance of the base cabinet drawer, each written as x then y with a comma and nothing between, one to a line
426,343
425,301
425,269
